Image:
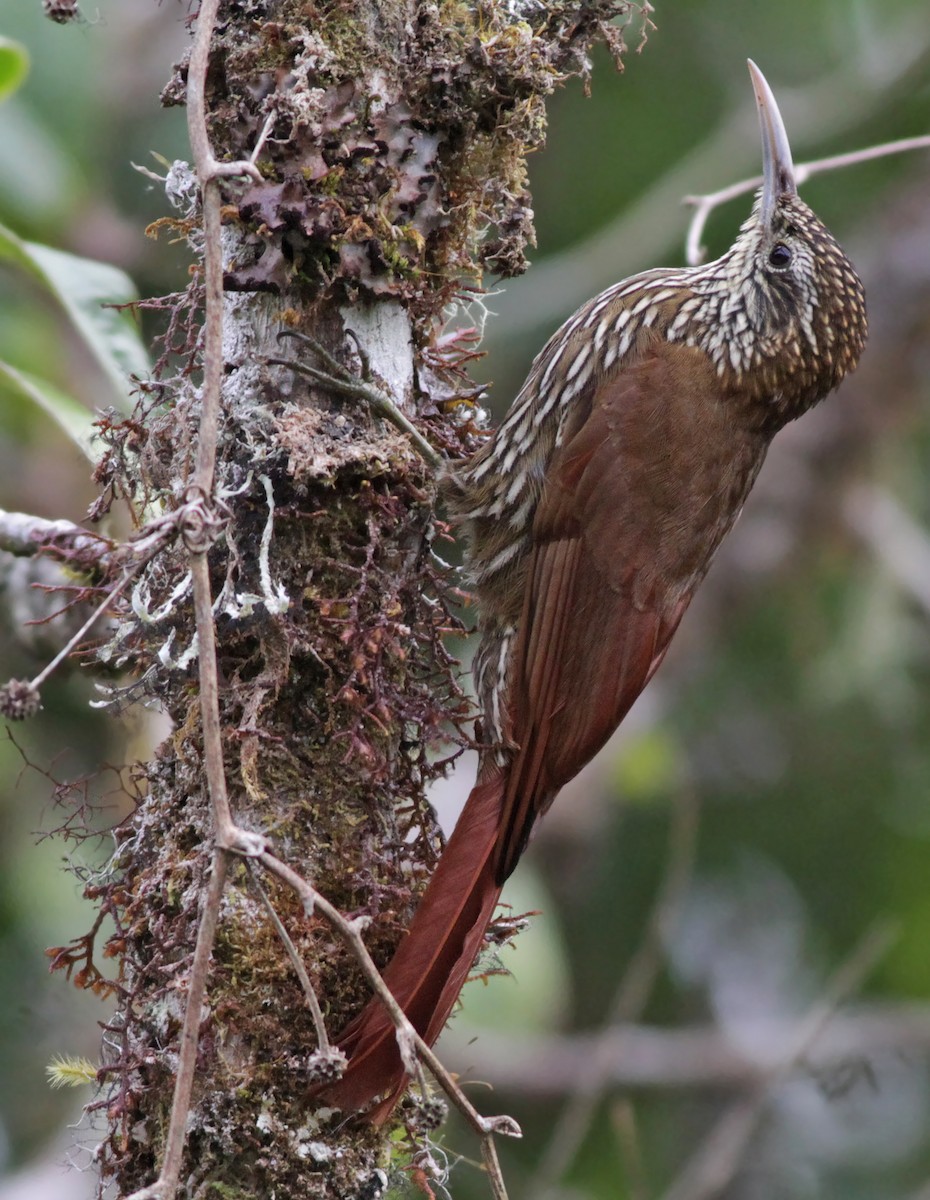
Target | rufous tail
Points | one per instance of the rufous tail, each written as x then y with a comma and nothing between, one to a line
432,963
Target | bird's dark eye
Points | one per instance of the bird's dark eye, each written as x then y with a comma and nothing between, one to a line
780,256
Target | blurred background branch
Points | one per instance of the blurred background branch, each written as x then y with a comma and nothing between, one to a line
641,1058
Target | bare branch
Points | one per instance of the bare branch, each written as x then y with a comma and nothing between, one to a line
166,1184
713,1166
25,535
198,536
705,205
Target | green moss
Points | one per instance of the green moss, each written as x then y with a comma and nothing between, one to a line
224,1191
331,183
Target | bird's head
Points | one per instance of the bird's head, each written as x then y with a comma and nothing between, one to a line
791,318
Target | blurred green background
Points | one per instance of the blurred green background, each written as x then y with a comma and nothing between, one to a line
788,734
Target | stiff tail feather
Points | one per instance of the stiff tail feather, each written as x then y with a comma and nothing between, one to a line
432,963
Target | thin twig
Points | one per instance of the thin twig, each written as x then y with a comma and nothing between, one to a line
713,1166
166,1185
117,590
629,1000
228,834
209,172
407,1037
263,137
30,689
705,205
492,1163
198,533
300,970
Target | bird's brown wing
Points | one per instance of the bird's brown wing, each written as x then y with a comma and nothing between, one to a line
651,472
618,552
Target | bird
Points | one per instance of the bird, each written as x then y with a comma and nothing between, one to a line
590,518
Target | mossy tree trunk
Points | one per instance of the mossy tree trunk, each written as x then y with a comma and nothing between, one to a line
393,157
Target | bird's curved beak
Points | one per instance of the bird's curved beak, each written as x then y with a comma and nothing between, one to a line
777,167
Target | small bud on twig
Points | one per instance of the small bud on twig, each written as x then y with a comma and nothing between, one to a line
19,699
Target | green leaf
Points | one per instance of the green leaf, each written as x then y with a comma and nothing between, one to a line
14,66
71,416
41,182
82,286
13,249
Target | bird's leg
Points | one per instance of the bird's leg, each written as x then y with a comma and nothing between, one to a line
339,379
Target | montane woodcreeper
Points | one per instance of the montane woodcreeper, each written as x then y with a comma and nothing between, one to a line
591,517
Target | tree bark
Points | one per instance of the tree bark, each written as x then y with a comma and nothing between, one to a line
392,148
